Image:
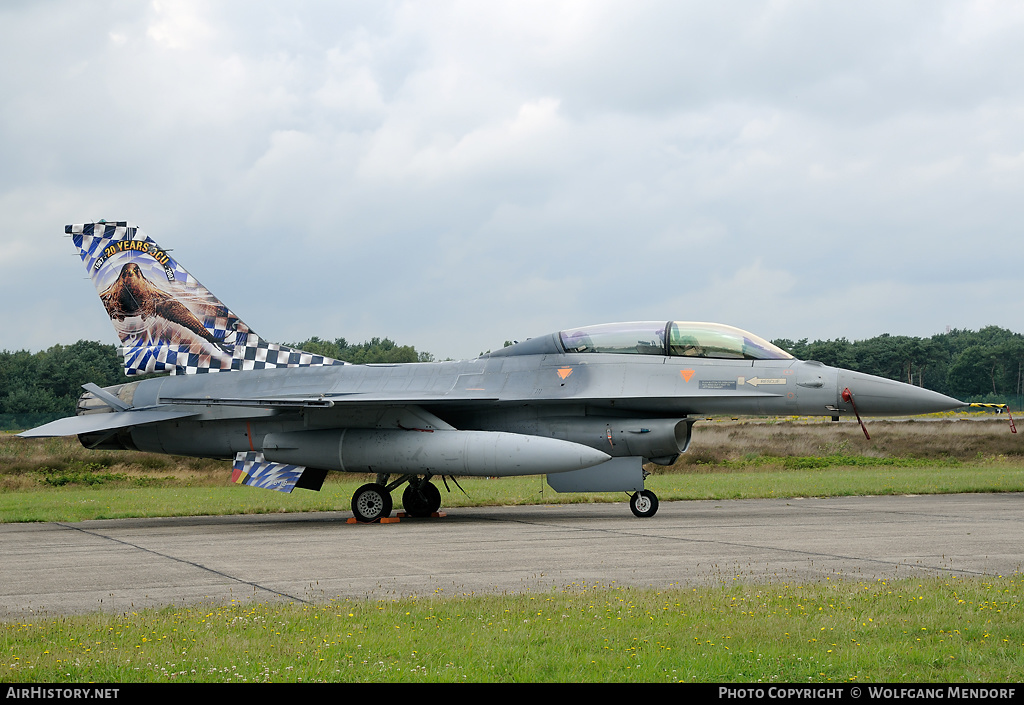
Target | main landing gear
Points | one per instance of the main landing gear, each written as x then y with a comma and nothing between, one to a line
421,498
643,503
372,502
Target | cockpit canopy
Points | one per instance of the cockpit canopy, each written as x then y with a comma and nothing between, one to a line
676,338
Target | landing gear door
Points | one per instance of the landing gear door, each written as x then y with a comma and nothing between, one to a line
615,475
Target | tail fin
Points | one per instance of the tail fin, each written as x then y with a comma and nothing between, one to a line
166,320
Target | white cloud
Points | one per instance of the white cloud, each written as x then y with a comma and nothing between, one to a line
524,166
179,24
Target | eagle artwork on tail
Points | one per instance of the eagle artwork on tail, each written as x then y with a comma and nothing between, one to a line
134,295
166,320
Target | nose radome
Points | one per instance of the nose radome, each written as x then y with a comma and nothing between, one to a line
877,396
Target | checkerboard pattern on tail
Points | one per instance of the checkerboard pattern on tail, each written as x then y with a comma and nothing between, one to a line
166,319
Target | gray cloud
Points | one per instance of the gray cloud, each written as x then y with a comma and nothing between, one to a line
454,174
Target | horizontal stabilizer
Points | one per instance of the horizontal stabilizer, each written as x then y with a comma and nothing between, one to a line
106,397
91,423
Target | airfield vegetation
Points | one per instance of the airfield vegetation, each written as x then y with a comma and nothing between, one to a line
946,629
55,479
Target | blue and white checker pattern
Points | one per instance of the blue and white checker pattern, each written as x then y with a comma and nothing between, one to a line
252,469
237,347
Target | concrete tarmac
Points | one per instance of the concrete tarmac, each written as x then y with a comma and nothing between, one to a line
123,565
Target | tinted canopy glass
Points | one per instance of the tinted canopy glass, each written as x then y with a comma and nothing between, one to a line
689,339
639,338
676,338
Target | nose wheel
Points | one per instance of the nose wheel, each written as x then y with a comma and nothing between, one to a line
644,504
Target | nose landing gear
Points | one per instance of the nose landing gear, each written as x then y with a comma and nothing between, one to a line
643,504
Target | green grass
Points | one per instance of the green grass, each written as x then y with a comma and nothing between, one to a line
999,475
936,630
948,629
109,496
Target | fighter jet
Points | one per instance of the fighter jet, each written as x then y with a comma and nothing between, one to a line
587,407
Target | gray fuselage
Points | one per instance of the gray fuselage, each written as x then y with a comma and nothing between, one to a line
584,397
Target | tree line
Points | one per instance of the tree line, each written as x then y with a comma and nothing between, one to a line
985,365
38,387
375,350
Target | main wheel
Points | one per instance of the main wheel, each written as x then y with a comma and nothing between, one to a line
371,502
644,503
421,501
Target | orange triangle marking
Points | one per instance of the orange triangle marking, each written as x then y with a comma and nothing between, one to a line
564,372
686,374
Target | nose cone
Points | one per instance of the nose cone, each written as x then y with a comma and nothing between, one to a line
877,396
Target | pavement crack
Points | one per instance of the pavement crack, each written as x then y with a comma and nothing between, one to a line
649,536
183,561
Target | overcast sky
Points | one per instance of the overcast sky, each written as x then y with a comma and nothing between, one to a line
455,174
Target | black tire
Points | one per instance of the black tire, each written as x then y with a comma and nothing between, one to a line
644,504
371,502
421,501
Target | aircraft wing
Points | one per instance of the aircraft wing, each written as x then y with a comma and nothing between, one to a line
91,423
171,408
260,402
327,400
